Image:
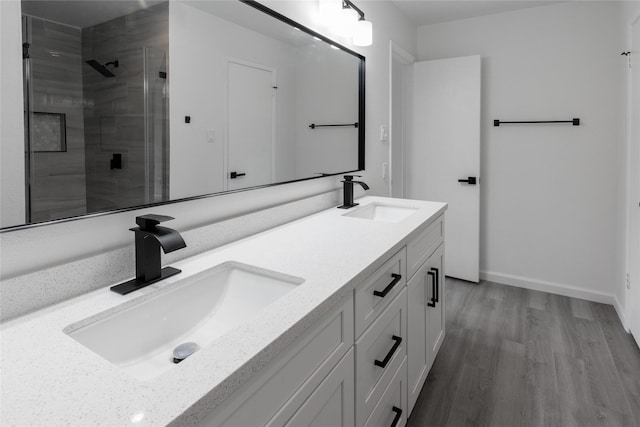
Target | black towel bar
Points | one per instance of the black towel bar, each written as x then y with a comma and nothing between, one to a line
575,122
354,125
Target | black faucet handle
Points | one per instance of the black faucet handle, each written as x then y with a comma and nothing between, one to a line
350,177
148,222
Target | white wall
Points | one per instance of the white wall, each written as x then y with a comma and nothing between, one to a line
200,46
327,93
12,196
25,251
388,24
550,205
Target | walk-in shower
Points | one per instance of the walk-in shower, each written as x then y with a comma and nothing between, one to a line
93,94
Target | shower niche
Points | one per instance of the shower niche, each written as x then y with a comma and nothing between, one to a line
92,94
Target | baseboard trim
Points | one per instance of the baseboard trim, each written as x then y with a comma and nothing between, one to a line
550,287
621,313
558,289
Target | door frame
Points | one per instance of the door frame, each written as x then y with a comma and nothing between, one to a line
631,189
274,83
406,59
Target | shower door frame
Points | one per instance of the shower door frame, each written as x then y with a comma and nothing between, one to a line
27,97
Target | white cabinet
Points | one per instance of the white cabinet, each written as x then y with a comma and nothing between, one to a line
279,390
331,404
375,293
391,410
425,321
423,245
380,351
435,330
364,363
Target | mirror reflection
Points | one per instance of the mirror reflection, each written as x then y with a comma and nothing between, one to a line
128,105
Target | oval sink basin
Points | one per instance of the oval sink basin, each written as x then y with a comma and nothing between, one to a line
382,212
140,336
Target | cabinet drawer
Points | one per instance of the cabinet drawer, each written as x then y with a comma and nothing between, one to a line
391,409
421,248
331,404
291,376
379,290
379,353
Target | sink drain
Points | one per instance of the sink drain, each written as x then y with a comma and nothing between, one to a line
184,350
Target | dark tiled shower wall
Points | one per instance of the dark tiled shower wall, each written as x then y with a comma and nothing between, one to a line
58,177
114,114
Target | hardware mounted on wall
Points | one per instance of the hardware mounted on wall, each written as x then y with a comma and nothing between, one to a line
353,125
575,122
347,20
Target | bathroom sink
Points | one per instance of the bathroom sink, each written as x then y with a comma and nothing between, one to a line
382,212
141,335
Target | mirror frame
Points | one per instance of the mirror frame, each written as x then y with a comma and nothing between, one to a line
361,134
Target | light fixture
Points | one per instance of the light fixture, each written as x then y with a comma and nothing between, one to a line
347,20
363,33
344,25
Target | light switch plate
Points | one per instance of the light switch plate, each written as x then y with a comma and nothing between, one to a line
211,136
384,133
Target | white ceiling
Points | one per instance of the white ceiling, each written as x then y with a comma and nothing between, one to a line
83,13
425,12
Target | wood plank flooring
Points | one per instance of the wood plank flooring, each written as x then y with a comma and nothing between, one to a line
514,357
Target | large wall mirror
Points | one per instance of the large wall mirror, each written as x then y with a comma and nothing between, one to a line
132,103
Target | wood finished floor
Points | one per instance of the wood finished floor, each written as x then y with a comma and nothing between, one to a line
514,357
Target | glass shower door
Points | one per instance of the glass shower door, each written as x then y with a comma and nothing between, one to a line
54,128
156,125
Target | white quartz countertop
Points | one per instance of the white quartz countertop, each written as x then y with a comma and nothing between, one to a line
47,378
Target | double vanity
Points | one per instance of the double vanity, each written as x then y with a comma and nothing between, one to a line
333,319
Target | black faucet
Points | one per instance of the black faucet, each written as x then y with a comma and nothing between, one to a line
149,238
348,191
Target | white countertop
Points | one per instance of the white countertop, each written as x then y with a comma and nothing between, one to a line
47,378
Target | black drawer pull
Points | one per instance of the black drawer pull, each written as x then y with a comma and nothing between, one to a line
389,355
437,294
383,293
398,412
433,288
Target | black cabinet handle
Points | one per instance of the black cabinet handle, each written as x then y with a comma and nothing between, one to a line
433,289
398,412
383,293
389,355
437,293
470,180
234,175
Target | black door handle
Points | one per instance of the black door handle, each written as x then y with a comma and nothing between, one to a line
437,285
433,289
383,293
470,180
387,358
234,175
398,412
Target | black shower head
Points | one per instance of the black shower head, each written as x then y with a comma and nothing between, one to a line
101,68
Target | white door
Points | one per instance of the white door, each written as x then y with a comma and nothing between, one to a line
251,113
634,187
445,148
